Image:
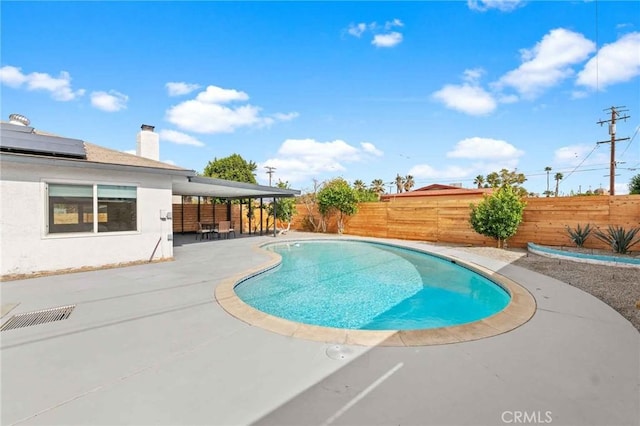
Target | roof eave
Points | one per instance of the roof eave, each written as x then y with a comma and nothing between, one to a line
70,162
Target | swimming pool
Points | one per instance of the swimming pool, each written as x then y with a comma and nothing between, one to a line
370,286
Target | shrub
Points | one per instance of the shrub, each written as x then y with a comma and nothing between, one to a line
498,215
619,238
579,235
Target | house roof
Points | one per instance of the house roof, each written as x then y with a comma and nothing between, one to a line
437,190
100,154
24,144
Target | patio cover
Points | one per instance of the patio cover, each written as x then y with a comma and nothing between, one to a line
220,188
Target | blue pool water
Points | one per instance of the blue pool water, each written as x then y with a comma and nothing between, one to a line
370,286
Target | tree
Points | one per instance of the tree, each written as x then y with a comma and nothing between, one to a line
508,178
399,183
285,208
336,196
479,180
498,215
377,186
634,185
359,185
493,180
547,192
233,167
311,205
558,177
408,183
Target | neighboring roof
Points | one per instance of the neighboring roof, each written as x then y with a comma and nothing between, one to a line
437,190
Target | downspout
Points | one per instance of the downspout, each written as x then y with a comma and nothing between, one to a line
261,207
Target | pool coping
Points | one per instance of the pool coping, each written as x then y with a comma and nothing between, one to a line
596,259
519,311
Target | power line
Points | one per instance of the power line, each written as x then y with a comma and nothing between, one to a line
270,171
615,115
585,159
630,141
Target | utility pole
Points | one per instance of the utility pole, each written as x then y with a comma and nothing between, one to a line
615,115
270,171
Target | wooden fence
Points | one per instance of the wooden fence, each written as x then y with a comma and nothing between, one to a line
446,219
187,216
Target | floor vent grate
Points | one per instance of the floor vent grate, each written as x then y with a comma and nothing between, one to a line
38,317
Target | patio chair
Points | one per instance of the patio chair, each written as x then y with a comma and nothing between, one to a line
203,231
223,228
232,230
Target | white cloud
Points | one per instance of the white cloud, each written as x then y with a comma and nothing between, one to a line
574,155
614,63
59,87
387,40
357,30
111,101
218,95
484,148
425,171
382,34
371,149
622,188
547,63
466,98
179,138
301,159
130,151
501,5
394,23
205,114
12,76
285,117
180,88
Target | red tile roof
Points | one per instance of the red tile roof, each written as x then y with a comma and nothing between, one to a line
437,190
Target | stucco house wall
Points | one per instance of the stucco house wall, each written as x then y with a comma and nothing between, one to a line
26,247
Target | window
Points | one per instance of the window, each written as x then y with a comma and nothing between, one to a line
116,208
71,208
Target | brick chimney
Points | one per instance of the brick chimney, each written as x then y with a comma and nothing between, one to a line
148,145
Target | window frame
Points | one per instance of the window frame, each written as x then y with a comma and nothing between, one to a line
95,226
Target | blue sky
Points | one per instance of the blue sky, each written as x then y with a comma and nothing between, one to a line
443,91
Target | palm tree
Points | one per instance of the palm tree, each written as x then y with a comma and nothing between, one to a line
493,179
408,183
359,185
399,183
479,180
547,169
558,178
377,186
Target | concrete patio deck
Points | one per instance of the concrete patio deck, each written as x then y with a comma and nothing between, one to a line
149,345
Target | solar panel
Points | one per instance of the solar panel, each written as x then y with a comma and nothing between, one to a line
22,139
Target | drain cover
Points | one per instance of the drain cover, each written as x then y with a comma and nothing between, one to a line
38,317
339,352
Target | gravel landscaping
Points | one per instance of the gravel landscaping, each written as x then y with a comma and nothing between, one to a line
619,287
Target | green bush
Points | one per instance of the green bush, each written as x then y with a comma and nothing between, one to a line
579,235
498,215
619,238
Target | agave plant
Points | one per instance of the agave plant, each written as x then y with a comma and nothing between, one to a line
580,234
619,238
